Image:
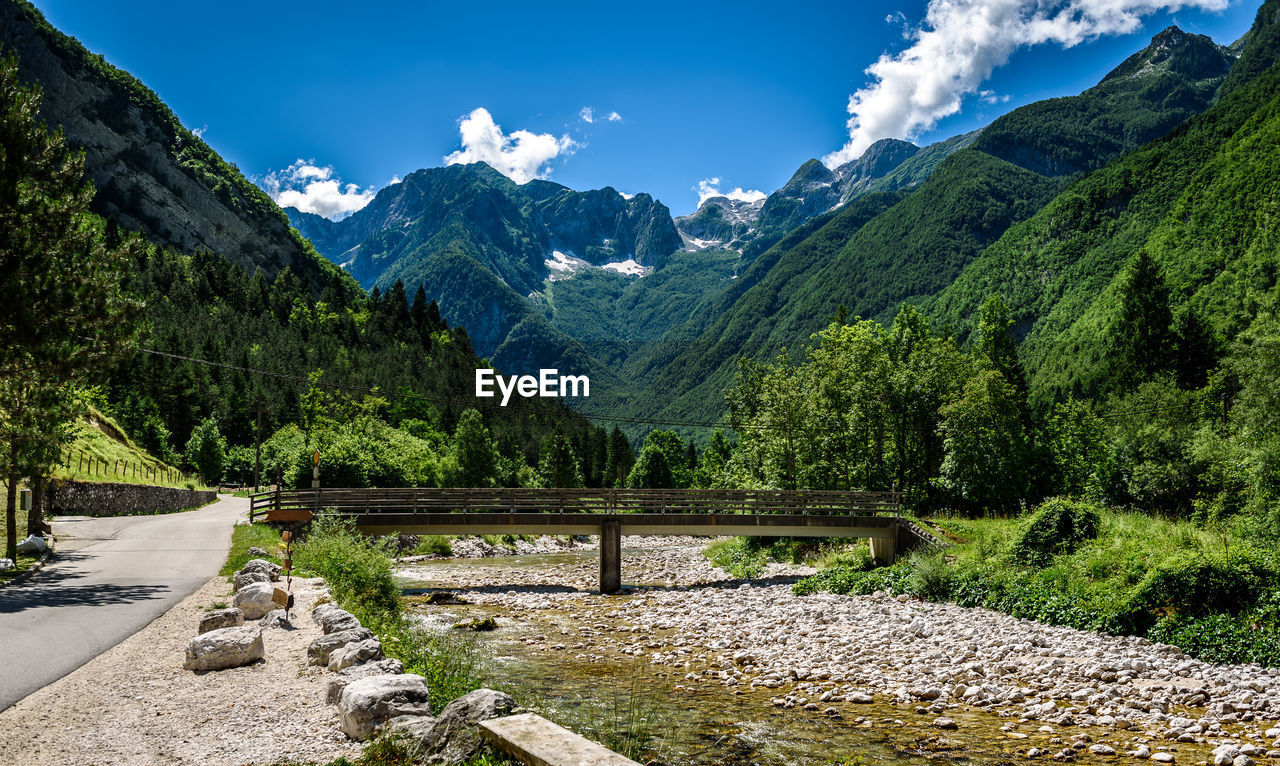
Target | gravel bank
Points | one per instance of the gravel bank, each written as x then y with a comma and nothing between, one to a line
135,704
837,654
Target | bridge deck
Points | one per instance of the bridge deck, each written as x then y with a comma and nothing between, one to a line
712,524
610,513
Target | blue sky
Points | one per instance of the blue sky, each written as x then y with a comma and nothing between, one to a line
742,92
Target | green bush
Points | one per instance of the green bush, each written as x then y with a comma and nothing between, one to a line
246,536
931,576
357,569
893,579
1058,526
433,545
1195,587
737,556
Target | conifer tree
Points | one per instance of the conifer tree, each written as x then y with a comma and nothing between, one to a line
557,465
65,315
475,452
618,459
1142,344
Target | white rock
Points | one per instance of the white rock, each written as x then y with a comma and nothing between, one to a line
242,579
339,682
368,703
1101,749
220,618
1162,757
322,647
254,600
224,648
32,544
357,653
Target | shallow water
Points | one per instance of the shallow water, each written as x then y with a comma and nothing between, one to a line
600,693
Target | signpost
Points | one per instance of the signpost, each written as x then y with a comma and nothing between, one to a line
284,598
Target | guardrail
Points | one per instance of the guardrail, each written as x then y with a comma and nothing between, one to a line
603,501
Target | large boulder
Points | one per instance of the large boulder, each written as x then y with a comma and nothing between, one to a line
221,618
319,610
368,703
323,646
338,620
224,648
241,579
255,600
262,565
355,653
32,544
340,680
452,738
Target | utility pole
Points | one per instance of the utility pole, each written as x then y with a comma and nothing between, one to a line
257,451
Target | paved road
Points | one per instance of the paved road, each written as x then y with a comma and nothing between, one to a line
109,578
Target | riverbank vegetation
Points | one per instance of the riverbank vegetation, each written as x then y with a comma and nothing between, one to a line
1212,590
1148,504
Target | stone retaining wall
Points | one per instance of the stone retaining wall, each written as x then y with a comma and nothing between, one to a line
85,498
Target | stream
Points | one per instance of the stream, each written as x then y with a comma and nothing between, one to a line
587,662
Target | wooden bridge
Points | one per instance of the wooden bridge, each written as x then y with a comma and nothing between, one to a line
609,513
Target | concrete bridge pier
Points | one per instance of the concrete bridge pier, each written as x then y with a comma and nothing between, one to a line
610,557
885,549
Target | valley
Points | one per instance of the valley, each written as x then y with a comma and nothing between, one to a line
1045,334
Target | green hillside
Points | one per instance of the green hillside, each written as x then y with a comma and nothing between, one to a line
909,248
878,251
1201,202
151,173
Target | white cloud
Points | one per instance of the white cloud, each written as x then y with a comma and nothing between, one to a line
960,43
614,117
200,131
315,189
709,187
587,115
991,97
521,155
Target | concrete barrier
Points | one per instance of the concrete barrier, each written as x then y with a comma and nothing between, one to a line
535,741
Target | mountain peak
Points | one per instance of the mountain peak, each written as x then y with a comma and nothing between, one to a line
1172,50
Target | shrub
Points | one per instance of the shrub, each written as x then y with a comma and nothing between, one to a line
1058,526
433,545
737,556
931,576
357,569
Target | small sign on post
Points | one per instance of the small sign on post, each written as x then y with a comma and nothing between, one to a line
284,599
315,470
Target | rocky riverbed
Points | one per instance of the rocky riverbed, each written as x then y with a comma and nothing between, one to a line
878,661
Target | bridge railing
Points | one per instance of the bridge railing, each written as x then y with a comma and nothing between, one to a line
600,501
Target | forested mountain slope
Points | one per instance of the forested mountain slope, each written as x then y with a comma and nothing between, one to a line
1202,202
919,245
152,175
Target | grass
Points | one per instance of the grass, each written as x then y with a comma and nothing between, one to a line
246,536
25,560
101,451
1212,591
359,572
747,557
399,750
433,545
